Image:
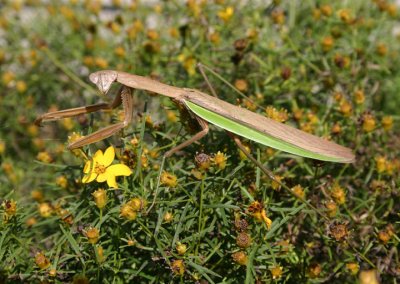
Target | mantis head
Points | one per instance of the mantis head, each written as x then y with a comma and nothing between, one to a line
103,79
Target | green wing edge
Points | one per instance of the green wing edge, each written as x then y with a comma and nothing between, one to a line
249,133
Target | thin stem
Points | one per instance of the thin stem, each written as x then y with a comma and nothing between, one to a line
158,185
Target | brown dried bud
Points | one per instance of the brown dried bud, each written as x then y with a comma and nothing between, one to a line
338,231
203,161
243,240
286,72
240,44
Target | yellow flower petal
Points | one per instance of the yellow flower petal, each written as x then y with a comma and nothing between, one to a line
98,156
118,170
88,167
89,177
102,177
111,181
108,157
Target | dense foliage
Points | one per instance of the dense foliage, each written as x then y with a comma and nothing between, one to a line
330,68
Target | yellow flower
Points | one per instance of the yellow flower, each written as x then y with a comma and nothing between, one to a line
380,164
277,115
226,14
387,123
353,267
168,217
99,168
10,207
219,160
276,272
338,194
276,183
128,212
92,234
181,248
62,182
327,43
298,190
256,209
178,267
168,179
45,209
2,147
369,122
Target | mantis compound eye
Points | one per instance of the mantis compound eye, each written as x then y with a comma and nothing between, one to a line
103,79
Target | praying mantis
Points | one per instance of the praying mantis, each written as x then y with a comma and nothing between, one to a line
204,109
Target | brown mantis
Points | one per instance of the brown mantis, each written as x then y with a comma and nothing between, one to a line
204,109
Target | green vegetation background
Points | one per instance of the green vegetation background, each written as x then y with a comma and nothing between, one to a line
328,68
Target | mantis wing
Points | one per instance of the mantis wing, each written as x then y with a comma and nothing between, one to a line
266,131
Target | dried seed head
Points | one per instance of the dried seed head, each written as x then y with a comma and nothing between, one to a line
240,44
338,231
241,224
178,267
240,257
41,260
203,161
286,72
336,128
331,206
314,270
241,85
243,240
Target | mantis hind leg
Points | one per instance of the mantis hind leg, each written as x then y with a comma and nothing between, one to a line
126,99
